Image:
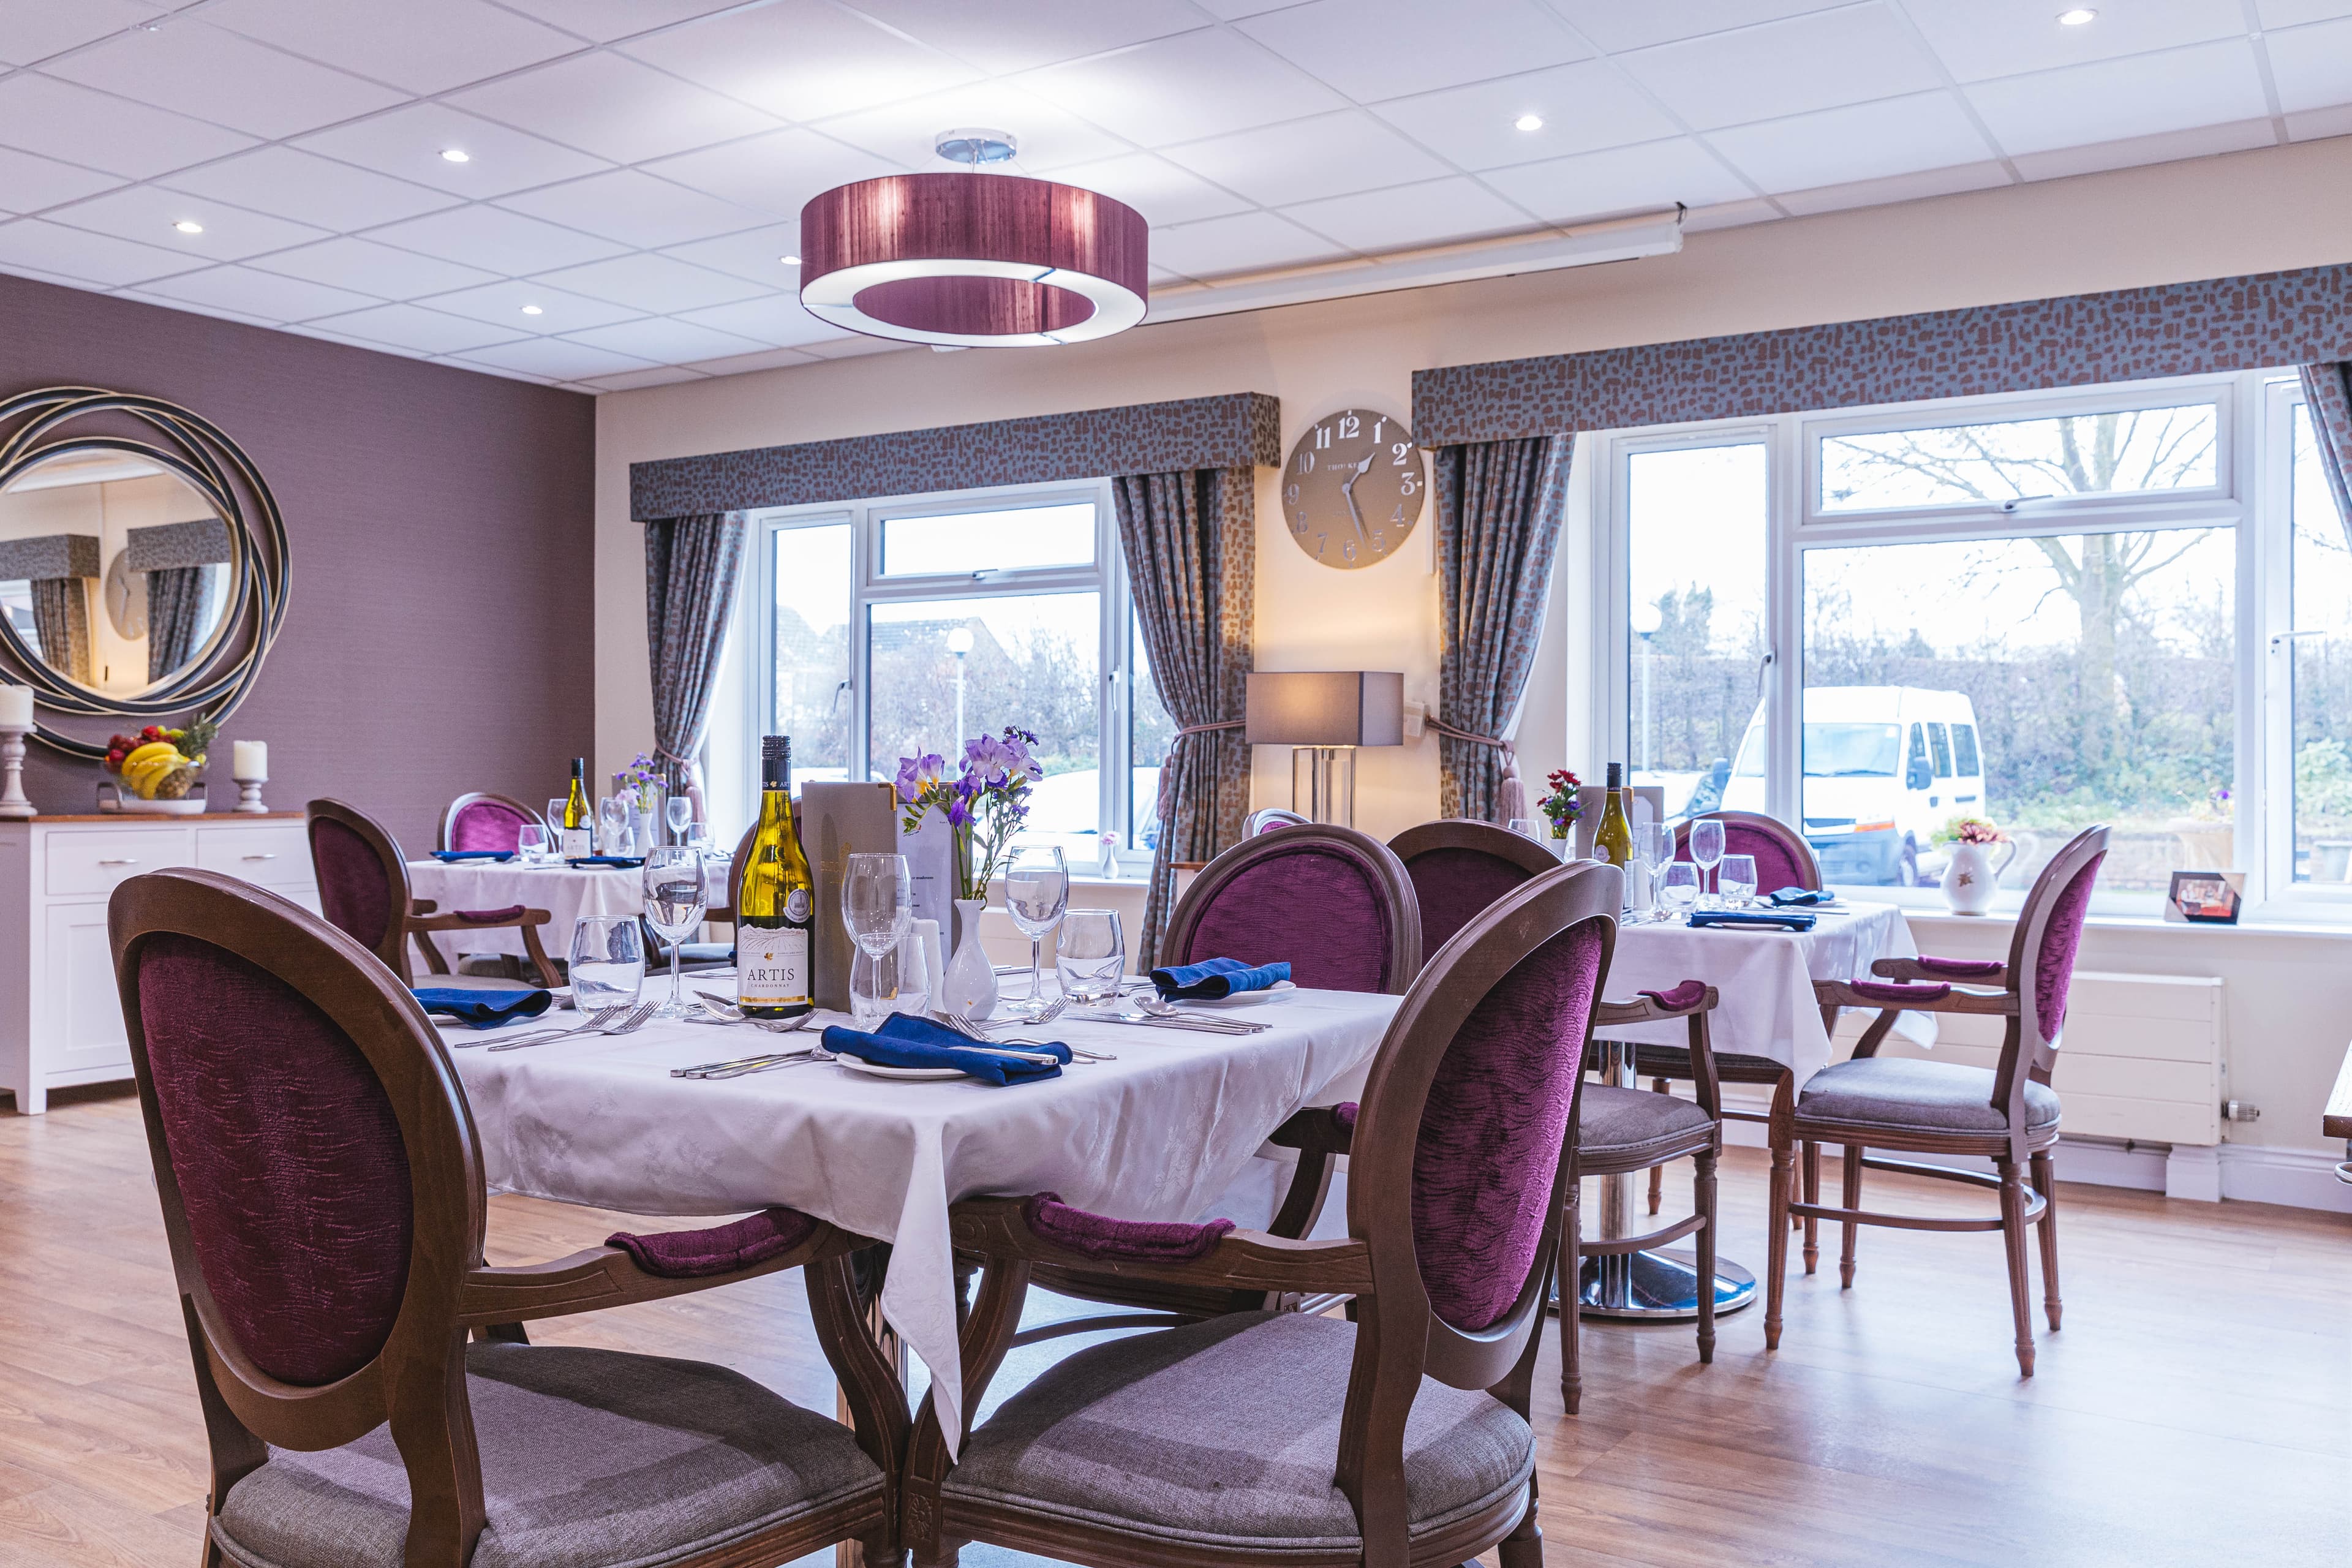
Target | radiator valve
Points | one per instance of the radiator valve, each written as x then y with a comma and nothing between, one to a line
2241,1110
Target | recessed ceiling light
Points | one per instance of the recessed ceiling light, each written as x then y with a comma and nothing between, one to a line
532,310
456,155
1529,122
2077,16
789,260
189,225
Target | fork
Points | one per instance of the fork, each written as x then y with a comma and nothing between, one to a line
594,1020
974,1032
636,1020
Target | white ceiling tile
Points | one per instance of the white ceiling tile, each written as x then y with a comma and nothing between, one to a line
636,210
664,341
2159,147
1372,49
415,327
1584,108
767,359
1947,182
1859,142
1408,215
147,213
1615,26
372,268
556,359
1847,56
803,59
2289,13
296,185
220,76
1183,89
2312,66
1245,242
501,304
2317,124
776,320
499,241
777,173
60,120
613,107
407,144
661,285
29,183
1652,176
93,260
35,30
422,46
630,381
2207,84
1047,31
908,133
605,20
753,256
1155,187
1328,155
262,295
198,308
1987,38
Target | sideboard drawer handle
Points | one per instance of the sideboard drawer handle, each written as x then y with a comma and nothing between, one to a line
261,856
119,862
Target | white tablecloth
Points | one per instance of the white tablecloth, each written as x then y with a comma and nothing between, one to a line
1157,1134
565,893
1766,979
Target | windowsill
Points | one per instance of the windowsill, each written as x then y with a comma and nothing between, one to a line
2251,924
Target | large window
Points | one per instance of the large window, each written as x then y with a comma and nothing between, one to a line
2130,605
894,628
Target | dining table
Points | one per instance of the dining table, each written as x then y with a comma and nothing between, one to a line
568,893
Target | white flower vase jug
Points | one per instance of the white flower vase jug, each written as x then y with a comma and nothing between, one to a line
1971,877
969,988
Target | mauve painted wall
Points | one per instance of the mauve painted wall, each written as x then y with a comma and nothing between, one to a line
439,526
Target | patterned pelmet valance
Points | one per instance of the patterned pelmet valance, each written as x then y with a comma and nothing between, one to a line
2131,334
1237,430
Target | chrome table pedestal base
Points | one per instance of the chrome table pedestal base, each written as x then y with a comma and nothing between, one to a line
1658,1287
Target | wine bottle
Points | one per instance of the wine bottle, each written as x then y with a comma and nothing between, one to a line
578,840
775,907
1613,840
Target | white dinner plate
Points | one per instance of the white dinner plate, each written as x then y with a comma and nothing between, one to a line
875,1070
1280,991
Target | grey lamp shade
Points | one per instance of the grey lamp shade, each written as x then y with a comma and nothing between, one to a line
1326,708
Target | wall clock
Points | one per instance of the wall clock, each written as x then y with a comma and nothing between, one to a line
1352,489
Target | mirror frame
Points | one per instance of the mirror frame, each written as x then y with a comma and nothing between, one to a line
218,469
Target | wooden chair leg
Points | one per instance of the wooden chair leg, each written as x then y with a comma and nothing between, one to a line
1523,1548
1776,1246
1812,1195
2045,1182
1571,1298
2020,1283
1702,1199
1658,1172
1851,1191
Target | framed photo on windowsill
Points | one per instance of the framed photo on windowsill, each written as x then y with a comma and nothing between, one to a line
2206,897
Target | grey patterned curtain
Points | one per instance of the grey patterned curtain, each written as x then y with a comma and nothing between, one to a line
61,620
1499,505
2329,388
176,617
692,565
1191,539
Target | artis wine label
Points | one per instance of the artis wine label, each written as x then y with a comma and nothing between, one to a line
772,966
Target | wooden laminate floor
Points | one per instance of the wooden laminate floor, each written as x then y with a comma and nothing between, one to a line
2197,1408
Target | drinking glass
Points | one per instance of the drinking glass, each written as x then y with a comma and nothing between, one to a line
555,821
877,905
678,889
1706,848
1736,880
530,844
1655,844
1678,887
612,826
915,977
1036,891
1090,955
679,811
608,961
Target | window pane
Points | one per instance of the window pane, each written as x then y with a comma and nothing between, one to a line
812,636
1014,540
1695,560
1031,660
2322,671
1150,734
1979,465
2092,678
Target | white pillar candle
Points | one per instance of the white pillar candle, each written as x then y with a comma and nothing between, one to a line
250,760
16,706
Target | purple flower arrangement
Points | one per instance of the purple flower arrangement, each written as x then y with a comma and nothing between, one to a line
985,801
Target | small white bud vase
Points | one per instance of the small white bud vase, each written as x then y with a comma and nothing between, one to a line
969,988
1970,879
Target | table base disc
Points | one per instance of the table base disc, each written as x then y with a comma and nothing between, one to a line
1658,1287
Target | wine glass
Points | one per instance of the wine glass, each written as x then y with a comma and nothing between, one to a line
678,889
530,844
555,821
612,826
1736,880
1654,842
877,904
1705,846
608,961
1090,955
678,811
1036,891
1678,887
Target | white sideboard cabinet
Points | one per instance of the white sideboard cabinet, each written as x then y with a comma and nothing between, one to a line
60,1015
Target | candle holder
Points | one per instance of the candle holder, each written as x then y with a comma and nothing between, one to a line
248,795
12,772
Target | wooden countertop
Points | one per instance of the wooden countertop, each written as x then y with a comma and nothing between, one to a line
117,818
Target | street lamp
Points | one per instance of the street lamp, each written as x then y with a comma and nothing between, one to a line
1646,620
960,644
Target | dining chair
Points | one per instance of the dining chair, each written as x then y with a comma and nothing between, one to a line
322,1192
1266,818
1401,1438
363,892
1333,903
2007,1112
480,821
1458,867
1783,858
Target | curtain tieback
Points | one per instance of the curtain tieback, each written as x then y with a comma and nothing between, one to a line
1167,774
1513,795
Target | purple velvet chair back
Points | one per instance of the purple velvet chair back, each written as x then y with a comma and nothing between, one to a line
363,881
1459,867
485,822
1333,904
1783,858
2048,934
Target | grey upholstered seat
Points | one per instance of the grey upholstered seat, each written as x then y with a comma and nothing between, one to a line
590,1460
1226,1433
1611,1118
1914,1096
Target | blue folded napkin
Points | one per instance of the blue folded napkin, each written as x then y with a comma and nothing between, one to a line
484,1009
1802,898
450,857
1755,920
906,1041
624,862
1215,977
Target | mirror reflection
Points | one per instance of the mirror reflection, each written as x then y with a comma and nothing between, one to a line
114,571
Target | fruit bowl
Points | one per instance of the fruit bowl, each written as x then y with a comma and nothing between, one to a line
112,800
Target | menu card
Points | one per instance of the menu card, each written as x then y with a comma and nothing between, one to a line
839,820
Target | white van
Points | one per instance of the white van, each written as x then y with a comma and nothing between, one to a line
1885,767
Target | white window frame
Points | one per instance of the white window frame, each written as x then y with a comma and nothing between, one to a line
2253,494
1105,576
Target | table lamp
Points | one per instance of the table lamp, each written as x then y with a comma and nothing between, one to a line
1324,715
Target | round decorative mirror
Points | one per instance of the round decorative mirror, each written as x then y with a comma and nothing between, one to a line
142,560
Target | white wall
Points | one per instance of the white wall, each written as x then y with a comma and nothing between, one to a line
2250,212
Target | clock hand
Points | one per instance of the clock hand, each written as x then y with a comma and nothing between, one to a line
1347,492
